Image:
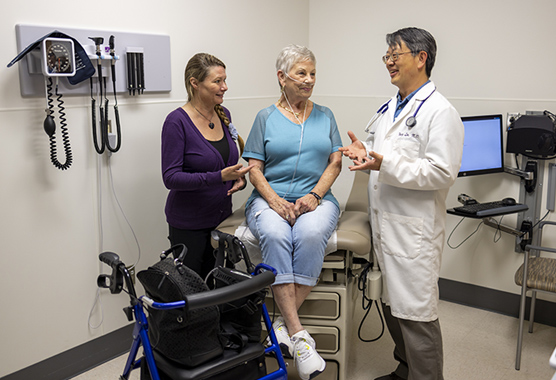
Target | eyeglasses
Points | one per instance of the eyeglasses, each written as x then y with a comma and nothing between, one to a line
394,57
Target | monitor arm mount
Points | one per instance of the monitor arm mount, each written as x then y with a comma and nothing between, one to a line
529,175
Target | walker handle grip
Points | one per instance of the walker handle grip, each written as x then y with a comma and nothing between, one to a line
110,258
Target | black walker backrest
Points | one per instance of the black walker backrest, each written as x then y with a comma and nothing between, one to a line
231,251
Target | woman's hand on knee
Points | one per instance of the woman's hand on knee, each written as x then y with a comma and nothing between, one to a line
305,204
285,209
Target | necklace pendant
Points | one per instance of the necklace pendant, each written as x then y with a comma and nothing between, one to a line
296,114
211,124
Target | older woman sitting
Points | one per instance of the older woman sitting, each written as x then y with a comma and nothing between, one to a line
293,148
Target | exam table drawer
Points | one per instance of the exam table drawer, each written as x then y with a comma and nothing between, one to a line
317,305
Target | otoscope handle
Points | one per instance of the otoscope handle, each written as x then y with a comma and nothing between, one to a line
98,41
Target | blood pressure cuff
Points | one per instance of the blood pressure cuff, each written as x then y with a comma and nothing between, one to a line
84,68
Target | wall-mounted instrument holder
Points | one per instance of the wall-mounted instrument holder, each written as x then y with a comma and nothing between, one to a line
135,59
151,69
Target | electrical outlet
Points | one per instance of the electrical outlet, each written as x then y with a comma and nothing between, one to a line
527,237
511,116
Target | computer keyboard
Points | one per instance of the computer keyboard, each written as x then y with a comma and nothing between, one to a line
490,209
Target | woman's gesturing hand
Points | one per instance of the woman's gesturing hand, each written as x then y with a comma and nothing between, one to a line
238,185
234,172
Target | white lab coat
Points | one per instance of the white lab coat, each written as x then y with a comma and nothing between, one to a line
407,199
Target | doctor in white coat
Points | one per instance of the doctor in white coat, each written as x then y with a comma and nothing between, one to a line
413,151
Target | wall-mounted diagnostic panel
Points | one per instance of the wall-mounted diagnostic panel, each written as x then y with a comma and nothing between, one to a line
83,62
143,60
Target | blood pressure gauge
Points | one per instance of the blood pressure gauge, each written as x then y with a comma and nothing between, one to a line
58,57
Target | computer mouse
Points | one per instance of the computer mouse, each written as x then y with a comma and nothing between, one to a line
508,201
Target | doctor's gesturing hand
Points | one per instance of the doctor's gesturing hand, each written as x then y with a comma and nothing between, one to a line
358,153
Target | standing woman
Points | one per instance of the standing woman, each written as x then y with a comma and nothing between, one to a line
293,147
199,162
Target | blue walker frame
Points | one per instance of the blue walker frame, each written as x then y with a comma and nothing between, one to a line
140,331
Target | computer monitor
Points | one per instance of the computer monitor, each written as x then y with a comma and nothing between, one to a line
483,151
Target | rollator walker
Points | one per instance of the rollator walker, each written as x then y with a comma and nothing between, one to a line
152,363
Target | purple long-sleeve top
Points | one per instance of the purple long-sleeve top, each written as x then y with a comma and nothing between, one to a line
191,171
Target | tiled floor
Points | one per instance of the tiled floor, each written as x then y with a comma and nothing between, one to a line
478,345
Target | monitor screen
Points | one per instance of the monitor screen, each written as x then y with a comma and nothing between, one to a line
483,151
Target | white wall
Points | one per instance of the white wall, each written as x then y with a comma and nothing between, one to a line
494,57
49,227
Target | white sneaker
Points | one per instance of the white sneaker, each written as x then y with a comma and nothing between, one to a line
283,337
308,362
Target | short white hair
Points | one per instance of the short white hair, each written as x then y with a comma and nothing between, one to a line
292,54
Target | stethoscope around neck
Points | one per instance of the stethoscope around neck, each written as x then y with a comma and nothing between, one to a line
410,122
